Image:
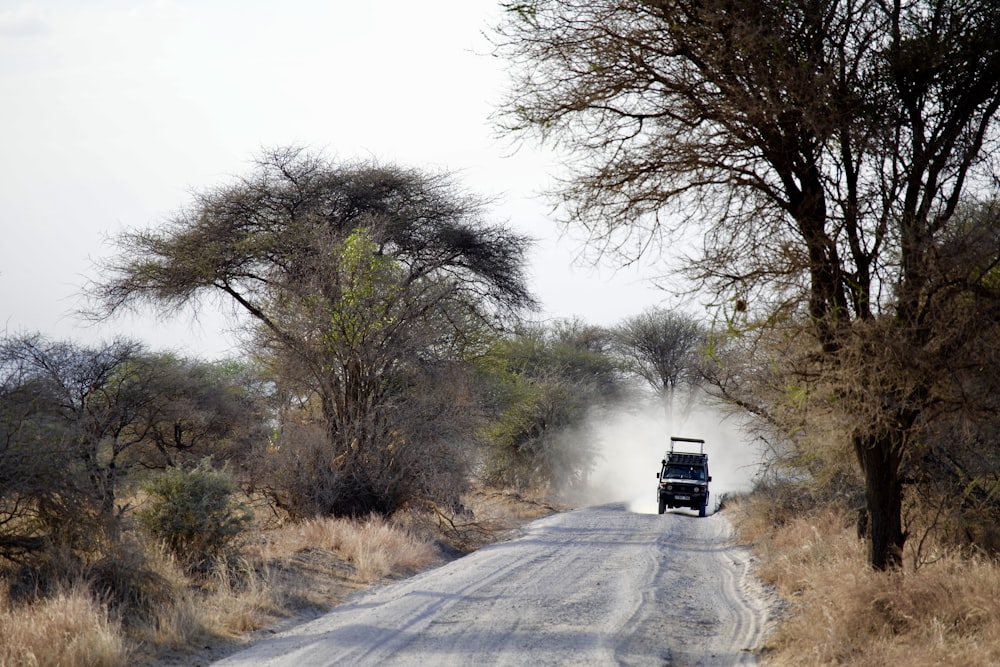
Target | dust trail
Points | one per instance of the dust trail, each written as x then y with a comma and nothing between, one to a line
632,442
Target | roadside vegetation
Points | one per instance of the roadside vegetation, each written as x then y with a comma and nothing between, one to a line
284,574
142,524
941,608
396,407
835,161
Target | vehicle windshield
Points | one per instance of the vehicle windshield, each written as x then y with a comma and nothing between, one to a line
685,472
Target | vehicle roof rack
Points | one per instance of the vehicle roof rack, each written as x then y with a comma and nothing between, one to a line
674,439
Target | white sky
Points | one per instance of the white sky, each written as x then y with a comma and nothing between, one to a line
113,111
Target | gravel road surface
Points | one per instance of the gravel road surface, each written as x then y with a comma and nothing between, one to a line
595,586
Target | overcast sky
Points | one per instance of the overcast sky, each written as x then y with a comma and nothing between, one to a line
113,111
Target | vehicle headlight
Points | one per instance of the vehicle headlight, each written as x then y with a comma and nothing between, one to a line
670,487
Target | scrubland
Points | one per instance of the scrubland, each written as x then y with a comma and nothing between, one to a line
941,608
141,607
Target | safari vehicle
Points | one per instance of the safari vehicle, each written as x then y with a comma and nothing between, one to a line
684,478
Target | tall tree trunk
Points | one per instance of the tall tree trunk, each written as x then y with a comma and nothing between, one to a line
879,456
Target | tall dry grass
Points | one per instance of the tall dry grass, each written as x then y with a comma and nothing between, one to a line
71,629
841,612
227,604
154,610
66,629
376,547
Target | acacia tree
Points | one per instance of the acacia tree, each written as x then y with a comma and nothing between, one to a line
821,149
198,409
659,345
357,279
75,420
88,401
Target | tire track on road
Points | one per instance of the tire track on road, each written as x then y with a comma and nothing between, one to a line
596,586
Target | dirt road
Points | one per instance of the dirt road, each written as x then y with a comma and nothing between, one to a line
595,586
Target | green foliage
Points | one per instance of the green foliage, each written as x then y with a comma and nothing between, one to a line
77,423
529,444
370,285
545,384
194,513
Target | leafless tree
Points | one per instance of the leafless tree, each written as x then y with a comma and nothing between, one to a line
661,346
820,148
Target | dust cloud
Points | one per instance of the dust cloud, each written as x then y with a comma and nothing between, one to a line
631,443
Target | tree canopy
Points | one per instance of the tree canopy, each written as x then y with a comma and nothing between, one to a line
362,282
76,422
822,149
546,385
661,347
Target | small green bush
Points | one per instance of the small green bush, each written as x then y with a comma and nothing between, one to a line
194,512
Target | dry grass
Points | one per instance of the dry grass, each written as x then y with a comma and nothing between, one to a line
511,508
841,612
288,572
490,515
375,547
68,628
